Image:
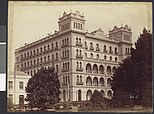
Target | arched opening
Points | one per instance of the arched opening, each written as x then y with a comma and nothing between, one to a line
79,95
101,69
114,69
109,94
95,81
89,81
102,93
64,95
88,68
108,70
109,82
95,69
101,81
89,93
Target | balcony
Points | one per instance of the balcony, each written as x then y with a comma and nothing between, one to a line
65,70
79,56
91,48
97,49
56,59
86,47
79,69
79,44
88,71
64,84
105,51
111,52
56,48
64,58
79,83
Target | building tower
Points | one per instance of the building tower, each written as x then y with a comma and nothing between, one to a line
124,36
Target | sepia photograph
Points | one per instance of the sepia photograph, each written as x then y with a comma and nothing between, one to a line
79,56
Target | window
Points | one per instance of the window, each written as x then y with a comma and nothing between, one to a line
52,46
105,57
57,68
77,79
74,25
17,67
91,44
79,40
68,79
48,47
37,51
57,45
91,55
77,65
86,55
44,59
110,58
48,57
11,97
80,65
44,48
80,52
21,85
10,84
34,53
116,51
116,59
97,56
41,50
56,56
104,48
67,41
80,79
76,40
110,49
21,99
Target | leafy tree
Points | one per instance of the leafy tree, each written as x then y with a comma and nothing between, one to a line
43,89
134,75
97,99
121,99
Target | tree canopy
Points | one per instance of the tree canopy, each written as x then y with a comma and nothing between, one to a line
134,74
43,89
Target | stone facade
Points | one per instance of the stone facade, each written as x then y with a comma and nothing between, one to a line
84,61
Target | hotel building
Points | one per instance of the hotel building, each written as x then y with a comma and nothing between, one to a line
85,61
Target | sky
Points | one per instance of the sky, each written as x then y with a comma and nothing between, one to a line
30,21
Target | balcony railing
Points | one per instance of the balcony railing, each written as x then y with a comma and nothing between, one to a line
65,70
97,49
79,56
91,48
79,44
79,69
79,83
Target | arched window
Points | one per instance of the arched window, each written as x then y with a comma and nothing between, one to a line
125,50
80,65
91,55
88,68
79,95
77,79
77,64
116,52
76,40
110,49
108,70
105,57
110,58
80,79
79,40
86,55
74,25
104,49
89,94
116,59
97,56
64,95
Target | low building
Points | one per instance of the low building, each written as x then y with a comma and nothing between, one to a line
17,81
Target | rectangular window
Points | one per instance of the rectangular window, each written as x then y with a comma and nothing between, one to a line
21,85
11,97
10,84
21,99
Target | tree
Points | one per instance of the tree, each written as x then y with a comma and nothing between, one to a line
97,99
43,89
134,75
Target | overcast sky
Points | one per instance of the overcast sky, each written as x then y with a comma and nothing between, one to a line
33,21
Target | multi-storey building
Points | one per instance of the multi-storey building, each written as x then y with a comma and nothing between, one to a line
17,81
84,61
